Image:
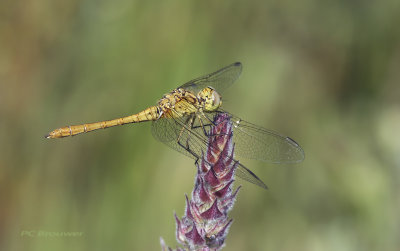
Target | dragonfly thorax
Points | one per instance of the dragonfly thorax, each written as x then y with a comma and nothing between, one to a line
209,99
178,103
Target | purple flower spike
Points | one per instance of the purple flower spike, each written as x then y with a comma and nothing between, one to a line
205,224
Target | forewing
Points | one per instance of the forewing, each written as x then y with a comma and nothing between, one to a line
255,142
192,140
219,80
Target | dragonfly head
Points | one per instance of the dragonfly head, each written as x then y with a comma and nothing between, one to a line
210,99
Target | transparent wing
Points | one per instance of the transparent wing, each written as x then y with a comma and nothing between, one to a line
168,130
255,142
192,141
219,80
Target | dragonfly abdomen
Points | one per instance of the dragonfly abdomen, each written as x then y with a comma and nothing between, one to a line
151,113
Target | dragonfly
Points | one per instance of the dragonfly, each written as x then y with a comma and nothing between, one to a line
181,117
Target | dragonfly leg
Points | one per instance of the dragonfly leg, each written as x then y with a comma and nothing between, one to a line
202,126
209,120
211,123
190,122
187,148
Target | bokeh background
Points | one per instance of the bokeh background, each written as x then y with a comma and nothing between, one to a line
323,72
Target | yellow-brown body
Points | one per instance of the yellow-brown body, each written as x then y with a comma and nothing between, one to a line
177,103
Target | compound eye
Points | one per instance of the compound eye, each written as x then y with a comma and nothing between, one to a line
216,99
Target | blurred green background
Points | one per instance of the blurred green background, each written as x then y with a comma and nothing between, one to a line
323,72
